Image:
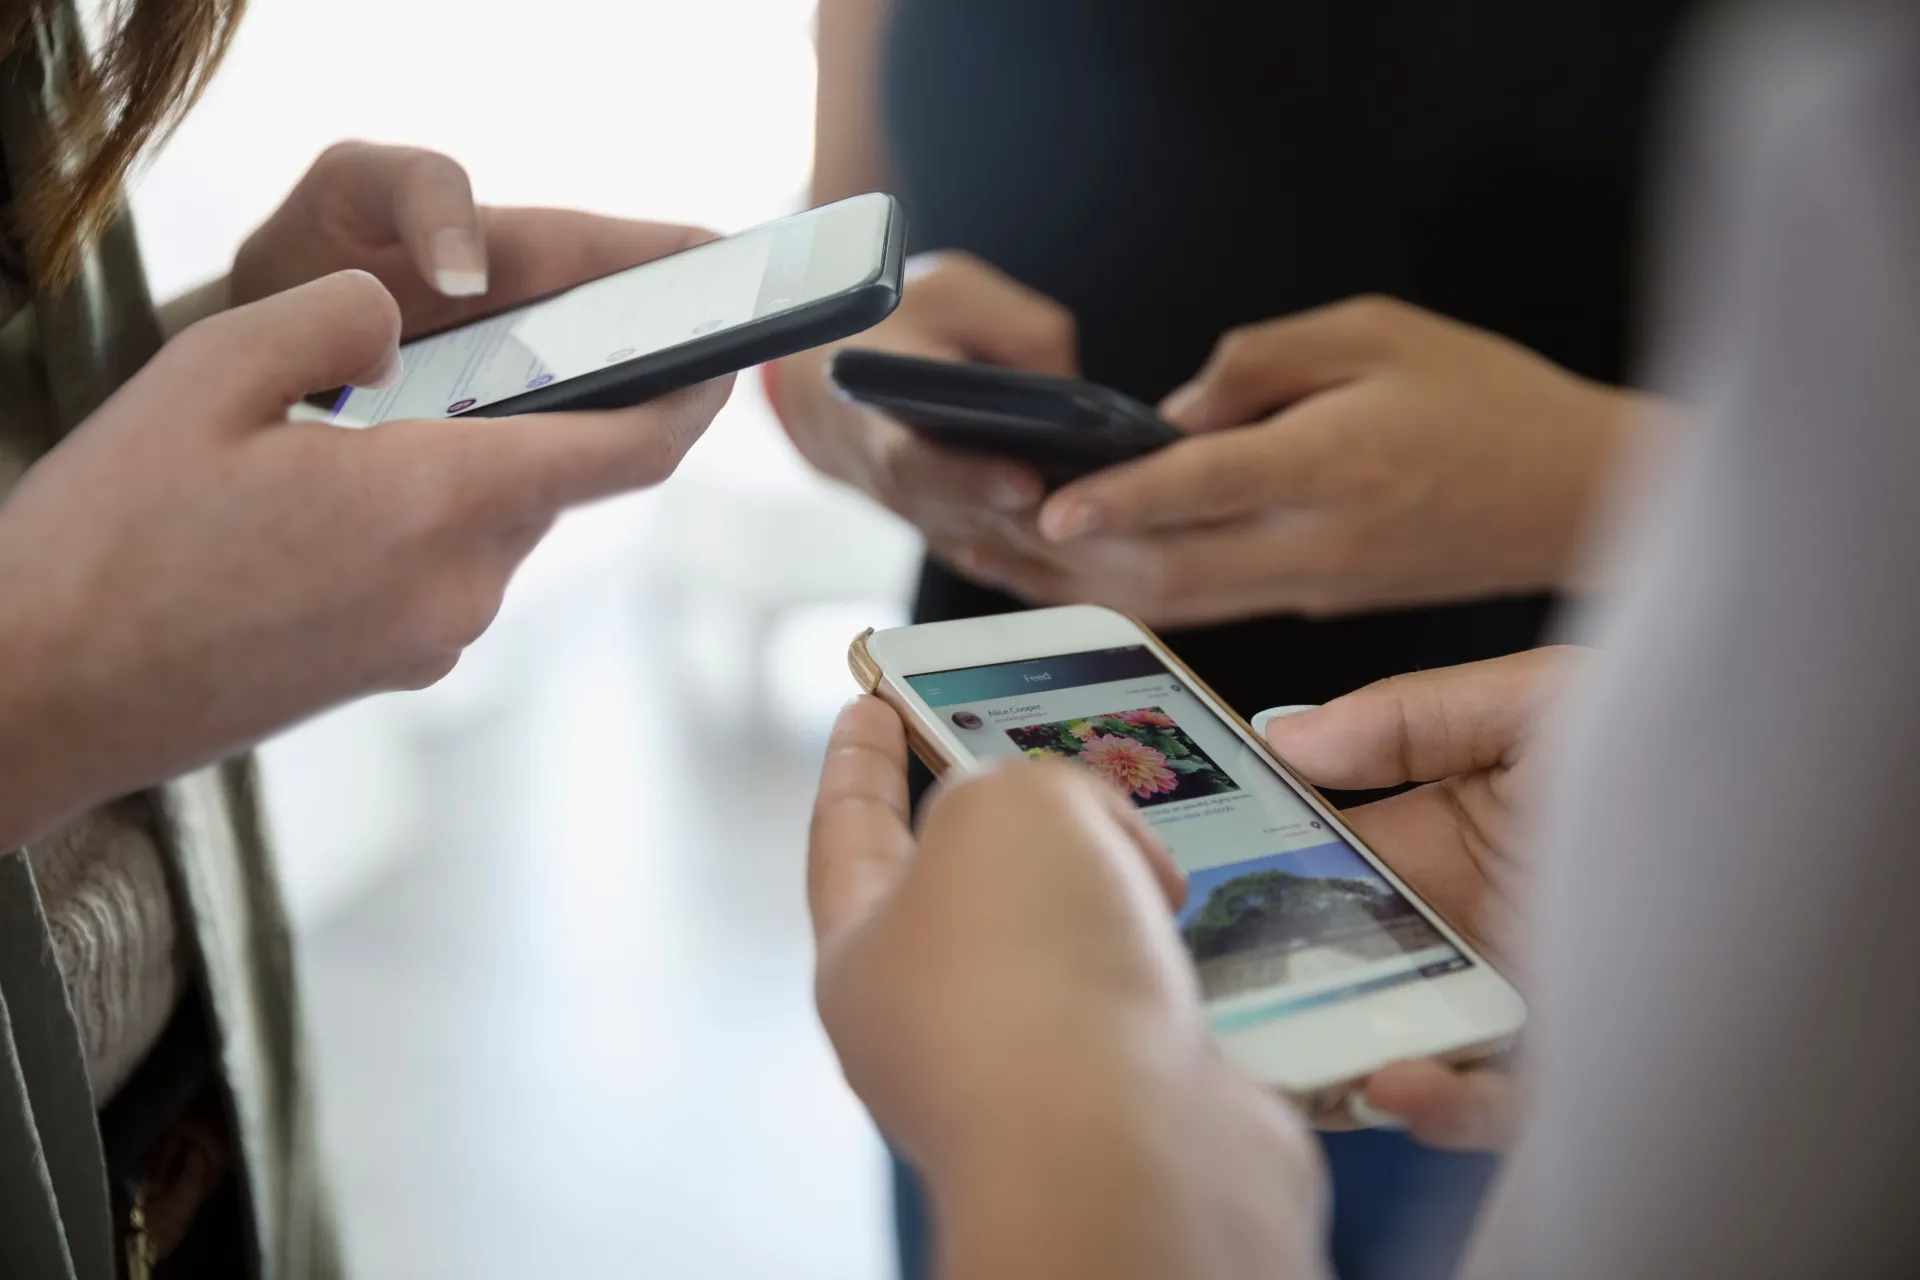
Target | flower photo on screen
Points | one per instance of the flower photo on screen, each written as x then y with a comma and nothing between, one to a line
1142,752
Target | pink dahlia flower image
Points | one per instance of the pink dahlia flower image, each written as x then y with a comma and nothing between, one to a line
1147,716
1130,765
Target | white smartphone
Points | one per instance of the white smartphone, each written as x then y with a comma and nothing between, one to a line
714,309
1318,965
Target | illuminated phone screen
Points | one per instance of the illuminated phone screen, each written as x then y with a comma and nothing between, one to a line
1282,914
630,315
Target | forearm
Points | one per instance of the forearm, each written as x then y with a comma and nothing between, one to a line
1205,1177
194,305
848,156
37,785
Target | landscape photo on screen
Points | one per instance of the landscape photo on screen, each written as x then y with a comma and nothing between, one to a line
1296,917
1142,752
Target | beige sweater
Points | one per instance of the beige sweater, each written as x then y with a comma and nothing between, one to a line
111,918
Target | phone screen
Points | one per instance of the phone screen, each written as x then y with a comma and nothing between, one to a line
631,314
1282,914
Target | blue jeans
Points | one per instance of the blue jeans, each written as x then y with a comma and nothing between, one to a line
1400,1210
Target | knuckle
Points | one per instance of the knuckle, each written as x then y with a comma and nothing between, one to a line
429,671
1238,354
343,154
1053,323
1372,315
1143,581
441,507
451,615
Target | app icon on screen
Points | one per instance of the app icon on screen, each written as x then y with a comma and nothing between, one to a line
624,353
540,381
461,406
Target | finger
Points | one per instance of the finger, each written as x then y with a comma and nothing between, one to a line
1005,814
995,563
422,199
911,471
861,837
519,470
536,251
250,364
1285,462
1260,368
1423,726
992,317
1456,1110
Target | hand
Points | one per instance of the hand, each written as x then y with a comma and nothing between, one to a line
1008,997
407,217
1407,459
1467,735
954,307
189,571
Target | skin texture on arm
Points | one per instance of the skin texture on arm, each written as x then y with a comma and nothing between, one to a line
1007,997
849,154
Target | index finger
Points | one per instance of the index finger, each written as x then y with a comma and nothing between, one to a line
535,251
860,837
1205,479
422,199
528,468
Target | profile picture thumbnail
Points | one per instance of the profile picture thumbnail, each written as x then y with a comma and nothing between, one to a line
1142,752
967,720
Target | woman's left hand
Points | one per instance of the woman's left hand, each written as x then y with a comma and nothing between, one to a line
407,217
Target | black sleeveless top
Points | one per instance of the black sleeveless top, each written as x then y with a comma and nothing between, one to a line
1171,168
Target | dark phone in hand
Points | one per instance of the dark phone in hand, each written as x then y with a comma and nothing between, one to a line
1061,427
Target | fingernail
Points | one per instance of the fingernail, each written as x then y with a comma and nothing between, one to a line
1264,720
1065,521
1179,406
1009,491
1365,1113
459,265
388,376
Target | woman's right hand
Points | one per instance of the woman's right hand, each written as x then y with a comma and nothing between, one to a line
954,307
189,572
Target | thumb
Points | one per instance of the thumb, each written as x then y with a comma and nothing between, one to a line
1265,367
1421,726
249,365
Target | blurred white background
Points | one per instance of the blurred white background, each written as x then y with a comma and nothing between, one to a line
556,952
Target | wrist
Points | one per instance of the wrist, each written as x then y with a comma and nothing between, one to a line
51,750
1141,1170
195,305
28,804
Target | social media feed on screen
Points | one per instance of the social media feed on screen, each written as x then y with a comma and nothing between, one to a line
1281,913
634,313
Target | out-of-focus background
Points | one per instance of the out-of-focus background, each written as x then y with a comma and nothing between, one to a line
556,954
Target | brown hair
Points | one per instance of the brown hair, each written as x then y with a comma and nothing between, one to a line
150,62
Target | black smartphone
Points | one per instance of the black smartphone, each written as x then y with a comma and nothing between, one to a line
1061,427
714,309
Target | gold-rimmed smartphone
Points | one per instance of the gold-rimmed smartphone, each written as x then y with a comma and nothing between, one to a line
1317,963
